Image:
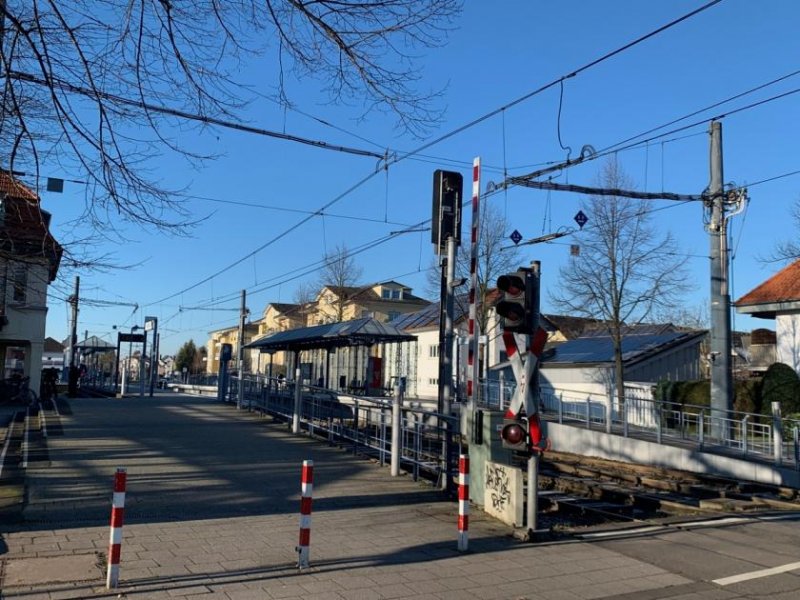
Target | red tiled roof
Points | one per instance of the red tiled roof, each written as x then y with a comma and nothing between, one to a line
784,286
12,187
25,233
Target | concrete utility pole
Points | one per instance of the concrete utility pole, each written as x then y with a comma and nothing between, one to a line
721,377
72,377
240,360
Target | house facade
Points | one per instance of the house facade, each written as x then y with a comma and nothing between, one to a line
652,354
29,262
382,301
778,299
230,335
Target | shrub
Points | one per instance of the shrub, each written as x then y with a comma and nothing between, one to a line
781,384
747,396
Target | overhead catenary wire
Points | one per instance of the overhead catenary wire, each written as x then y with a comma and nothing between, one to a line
399,157
52,82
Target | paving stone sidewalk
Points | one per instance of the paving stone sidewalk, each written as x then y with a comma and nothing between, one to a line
213,513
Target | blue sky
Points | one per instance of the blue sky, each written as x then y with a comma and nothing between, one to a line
497,53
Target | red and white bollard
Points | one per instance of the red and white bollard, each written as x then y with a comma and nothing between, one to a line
463,502
307,485
115,542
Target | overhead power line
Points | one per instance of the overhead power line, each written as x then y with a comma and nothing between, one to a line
397,158
52,82
707,108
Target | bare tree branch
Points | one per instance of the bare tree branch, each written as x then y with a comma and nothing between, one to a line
186,54
625,271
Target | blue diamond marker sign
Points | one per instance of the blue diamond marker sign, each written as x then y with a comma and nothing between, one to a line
516,236
581,219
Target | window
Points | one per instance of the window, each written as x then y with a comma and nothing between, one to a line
396,295
393,314
386,293
19,282
433,351
366,314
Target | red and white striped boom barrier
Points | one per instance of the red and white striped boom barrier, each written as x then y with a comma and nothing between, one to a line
306,488
472,359
115,541
463,502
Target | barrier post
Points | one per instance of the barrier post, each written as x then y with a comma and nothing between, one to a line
115,538
298,402
306,488
463,502
397,403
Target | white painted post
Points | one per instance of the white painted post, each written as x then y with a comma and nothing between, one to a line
625,420
588,413
561,407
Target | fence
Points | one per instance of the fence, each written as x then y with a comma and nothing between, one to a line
429,442
767,437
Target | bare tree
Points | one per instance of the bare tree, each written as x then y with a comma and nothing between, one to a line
304,296
305,293
625,269
788,250
495,257
340,273
103,86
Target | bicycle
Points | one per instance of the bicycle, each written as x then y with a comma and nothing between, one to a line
17,391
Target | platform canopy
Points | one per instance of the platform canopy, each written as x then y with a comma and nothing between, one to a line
358,332
94,344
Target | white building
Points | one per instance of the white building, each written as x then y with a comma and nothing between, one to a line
29,261
778,299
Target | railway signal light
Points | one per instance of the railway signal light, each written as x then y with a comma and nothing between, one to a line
448,189
514,309
515,434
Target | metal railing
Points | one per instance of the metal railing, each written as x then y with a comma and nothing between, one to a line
766,437
429,442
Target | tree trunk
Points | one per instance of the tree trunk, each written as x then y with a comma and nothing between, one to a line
618,376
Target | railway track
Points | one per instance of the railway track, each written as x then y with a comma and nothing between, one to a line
576,492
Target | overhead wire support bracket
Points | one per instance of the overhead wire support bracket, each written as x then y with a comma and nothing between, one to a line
542,238
582,189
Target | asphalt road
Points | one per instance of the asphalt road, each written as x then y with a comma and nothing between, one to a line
212,508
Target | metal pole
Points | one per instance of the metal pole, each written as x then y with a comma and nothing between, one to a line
442,319
397,404
116,364
777,433
532,406
72,381
297,399
721,377
142,366
242,317
154,358
446,385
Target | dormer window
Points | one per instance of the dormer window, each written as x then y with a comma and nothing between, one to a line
386,293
